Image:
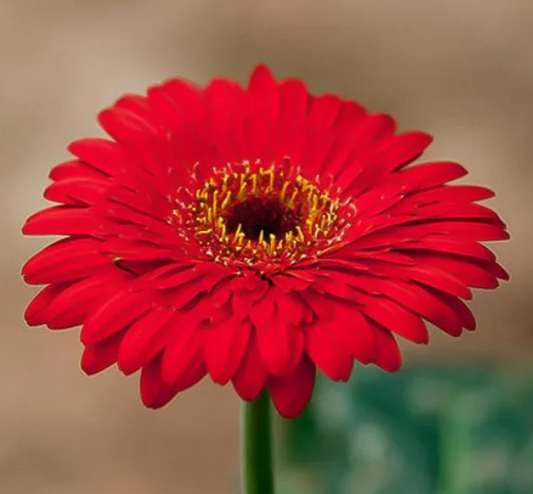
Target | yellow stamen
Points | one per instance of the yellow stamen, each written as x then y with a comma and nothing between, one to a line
283,191
311,208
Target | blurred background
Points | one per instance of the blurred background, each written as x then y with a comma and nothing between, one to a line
460,69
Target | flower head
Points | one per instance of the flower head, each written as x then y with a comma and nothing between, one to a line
255,235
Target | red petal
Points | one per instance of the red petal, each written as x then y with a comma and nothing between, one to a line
395,318
404,148
499,271
144,339
291,306
76,191
467,230
434,277
323,112
448,210
426,302
291,394
388,355
263,115
280,345
474,273
249,379
263,311
156,393
353,331
75,303
294,101
102,154
350,113
62,220
329,355
373,129
225,118
114,315
184,351
318,147
36,312
224,349
341,151
428,175
136,104
199,277
465,315
67,259
322,133
98,357
186,103
128,127
75,169
290,283
182,106
447,245
378,200
458,194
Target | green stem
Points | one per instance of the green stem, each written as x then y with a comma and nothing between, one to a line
256,454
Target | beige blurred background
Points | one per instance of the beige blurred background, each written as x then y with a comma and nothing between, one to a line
460,69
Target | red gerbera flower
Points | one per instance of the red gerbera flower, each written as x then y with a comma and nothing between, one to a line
255,235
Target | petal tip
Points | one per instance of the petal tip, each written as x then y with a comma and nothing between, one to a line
260,74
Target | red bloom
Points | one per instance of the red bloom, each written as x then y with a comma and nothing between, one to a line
255,235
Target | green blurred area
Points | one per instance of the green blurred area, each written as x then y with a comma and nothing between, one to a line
420,431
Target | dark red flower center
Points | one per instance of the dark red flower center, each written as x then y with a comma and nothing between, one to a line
262,217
